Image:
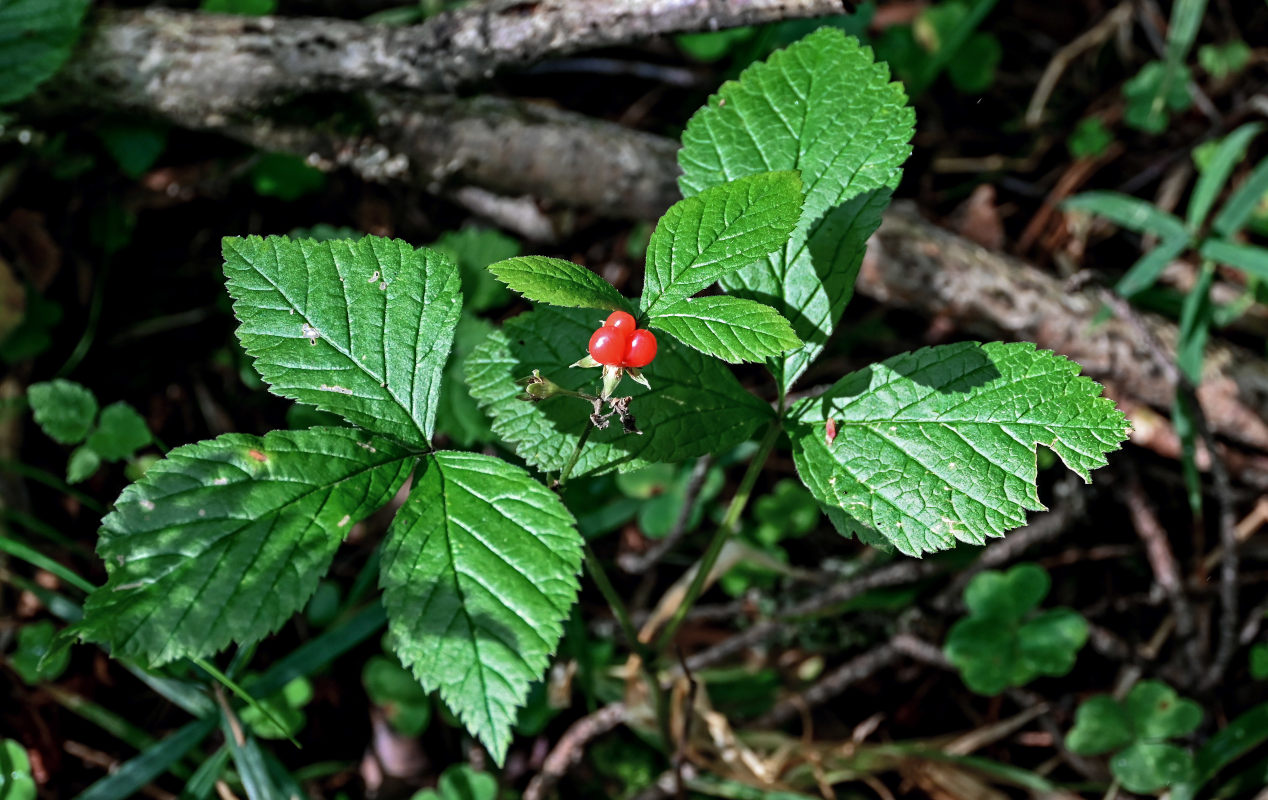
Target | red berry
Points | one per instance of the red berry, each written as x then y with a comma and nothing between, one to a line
607,345
641,349
621,321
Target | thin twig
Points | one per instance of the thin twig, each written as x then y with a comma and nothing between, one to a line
571,747
829,686
1093,37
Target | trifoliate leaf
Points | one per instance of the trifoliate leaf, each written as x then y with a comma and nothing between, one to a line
63,409
730,328
479,571
358,328
712,234
223,540
461,782
996,646
121,431
694,406
938,445
825,108
1223,60
36,38
558,283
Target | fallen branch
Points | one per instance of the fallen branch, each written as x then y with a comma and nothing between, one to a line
571,747
203,69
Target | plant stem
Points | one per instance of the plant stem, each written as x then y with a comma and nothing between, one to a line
724,531
576,453
600,577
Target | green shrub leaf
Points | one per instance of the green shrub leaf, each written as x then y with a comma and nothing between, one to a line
63,409
223,540
938,445
479,571
357,328
36,38
730,328
825,108
712,234
558,283
695,405
1157,712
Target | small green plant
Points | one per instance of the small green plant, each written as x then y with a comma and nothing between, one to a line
1137,730
1004,641
1090,139
16,782
67,412
1222,61
280,715
1213,237
1161,88
38,656
392,688
786,173
944,37
461,782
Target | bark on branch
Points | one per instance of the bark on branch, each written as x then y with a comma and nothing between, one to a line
204,69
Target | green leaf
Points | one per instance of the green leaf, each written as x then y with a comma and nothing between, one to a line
695,405
390,686
1259,662
1101,725
16,782
285,176
459,416
36,38
1157,712
558,283
1007,596
280,715
984,652
1154,94
1128,212
1148,767
1222,60
134,146
36,644
1090,139
1245,733
826,109
121,431
1248,258
1050,643
1228,153
63,409
473,250
461,782
127,779
252,8
993,648
729,328
358,328
223,540
1145,272
479,571
710,235
972,69
1242,204
938,445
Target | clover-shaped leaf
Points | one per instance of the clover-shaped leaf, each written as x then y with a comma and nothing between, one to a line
1000,644
1138,728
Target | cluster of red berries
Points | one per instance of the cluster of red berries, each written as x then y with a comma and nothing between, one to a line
620,343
